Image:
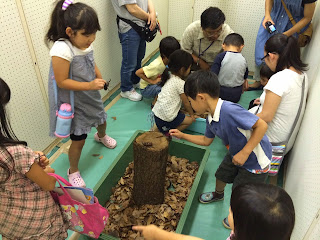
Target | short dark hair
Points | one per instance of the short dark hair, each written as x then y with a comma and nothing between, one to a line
261,211
202,81
77,16
234,39
212,18
265,71
168,45
288,50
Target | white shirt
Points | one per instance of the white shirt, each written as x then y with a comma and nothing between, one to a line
62,48
288,85
169,101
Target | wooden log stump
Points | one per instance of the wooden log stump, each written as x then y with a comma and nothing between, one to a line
150,152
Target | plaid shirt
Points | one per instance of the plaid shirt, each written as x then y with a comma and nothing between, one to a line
26,211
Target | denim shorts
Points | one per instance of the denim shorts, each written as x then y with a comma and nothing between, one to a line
164,126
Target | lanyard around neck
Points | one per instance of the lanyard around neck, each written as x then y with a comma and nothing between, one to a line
202,53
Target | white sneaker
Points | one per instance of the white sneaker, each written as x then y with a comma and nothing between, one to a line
132,95
136,85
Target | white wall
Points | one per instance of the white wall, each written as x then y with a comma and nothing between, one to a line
180,16
303,176
24,59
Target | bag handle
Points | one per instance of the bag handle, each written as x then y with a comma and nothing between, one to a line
56,176
298,113
288,13
135,26
61,179
299,110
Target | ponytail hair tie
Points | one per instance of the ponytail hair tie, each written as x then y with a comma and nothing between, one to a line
66,4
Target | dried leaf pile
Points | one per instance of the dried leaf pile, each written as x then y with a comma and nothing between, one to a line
180,175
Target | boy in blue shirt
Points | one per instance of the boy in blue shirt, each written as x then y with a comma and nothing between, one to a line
231,68
249,150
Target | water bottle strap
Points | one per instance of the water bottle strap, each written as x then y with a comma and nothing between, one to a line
55,87
70,76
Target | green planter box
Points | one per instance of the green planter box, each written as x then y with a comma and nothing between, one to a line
177,148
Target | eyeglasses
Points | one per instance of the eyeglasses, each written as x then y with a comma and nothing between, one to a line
213,33
268,54
265,56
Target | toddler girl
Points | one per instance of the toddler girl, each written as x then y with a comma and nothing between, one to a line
27,210
166,110
73,29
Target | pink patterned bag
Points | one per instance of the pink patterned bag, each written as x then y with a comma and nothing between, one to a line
87,219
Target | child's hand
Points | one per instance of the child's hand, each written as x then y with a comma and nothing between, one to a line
240,158
256,101
148,232
97,84
158,80
193,117
175,133
49,169
43,161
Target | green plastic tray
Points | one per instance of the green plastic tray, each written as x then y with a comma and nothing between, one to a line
177,148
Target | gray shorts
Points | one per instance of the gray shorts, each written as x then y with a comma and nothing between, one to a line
230,173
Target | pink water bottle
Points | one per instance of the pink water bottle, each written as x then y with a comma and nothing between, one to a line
64,120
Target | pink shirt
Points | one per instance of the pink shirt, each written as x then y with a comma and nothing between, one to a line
26,211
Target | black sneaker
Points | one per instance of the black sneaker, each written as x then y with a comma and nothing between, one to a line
209,197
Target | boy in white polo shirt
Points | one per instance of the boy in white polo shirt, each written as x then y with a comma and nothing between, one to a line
243,133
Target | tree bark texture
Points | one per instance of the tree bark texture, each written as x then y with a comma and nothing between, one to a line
150,160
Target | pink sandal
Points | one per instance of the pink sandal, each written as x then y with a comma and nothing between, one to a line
75,179
109,142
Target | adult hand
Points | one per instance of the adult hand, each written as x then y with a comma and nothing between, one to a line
286,33
97,84
266,19
256,101
240,158
176,133
148,232
152,20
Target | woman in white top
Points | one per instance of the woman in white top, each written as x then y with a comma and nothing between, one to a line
281,98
